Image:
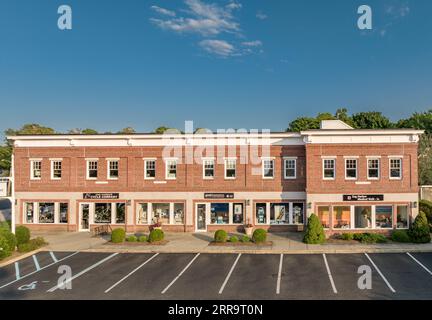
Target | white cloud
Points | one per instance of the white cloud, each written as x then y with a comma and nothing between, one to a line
163,11
234,6
219,47
261,16
255,43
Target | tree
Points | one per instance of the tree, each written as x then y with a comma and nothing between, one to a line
31,128
425,159
342,115
303,123
82,131
421,121
371,120
127,130
314,232
161,130
419,231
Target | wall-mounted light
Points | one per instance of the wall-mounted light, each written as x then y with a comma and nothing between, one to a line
248,202
129,202
414,204
309,205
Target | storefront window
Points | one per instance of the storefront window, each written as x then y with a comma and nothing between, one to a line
46,212
341,217
324,216
142,213
102,213
279,213
219,213
160,213
120,214
63,213
178,213
363,217
402,217
383,217
261,213
238,213
29,212
298,213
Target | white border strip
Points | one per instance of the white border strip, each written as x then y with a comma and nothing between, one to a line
421,264
130,273
17,272
36,262
329,274
53,256
229,274
279,274
180,274
380,273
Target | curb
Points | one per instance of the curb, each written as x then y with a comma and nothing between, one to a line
19,257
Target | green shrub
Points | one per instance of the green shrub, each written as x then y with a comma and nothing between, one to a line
419,231
118,235
245,238
156,235
142,239
370,238
10,237
4,248
132,239
22,235
400,236
5,225
314,231
220,236
32,245
259,236
234,239
426,207
347,236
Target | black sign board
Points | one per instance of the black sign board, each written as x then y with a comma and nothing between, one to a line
363,197
218,195
100,196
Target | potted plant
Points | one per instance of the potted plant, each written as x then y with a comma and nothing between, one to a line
248,228
156,225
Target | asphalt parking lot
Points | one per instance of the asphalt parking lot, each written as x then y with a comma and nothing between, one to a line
218,276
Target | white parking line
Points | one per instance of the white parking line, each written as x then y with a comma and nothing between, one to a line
27,275
36,262
53,256
329,274
380,273
17,271
421,264
130,273
279,274
179,275
229,274
82,272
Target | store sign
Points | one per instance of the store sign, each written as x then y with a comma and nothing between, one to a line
101,196
3,189
363,197
218,195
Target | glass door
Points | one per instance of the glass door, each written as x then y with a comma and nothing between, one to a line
201,217
84,217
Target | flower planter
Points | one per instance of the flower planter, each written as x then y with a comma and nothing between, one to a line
249,231
157,228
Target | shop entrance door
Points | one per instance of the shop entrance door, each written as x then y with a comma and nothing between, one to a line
84,213
200,221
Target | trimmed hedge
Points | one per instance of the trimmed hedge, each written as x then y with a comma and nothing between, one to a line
234,239
118,235
400,236
22,235
314,232
10,237
419,231
156,235
4,248
259,236
142,238
132,239
370,237
347,236
32,245
220,236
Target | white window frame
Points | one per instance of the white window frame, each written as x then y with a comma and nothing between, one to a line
379,168
36,212
32,162
109,161
167,164
88,168
334,167
53,162
205,161
226,160
285,168
356,168
400,168
145,168
263,160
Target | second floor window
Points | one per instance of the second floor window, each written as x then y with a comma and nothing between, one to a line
171,169
56,169
92,169
36,169
395,168
351,169
373,168
290,168
113,169
150,169
209,166
230,169
268,168
329,168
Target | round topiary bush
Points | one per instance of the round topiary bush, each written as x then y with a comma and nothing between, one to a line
314,232
132,239
4,248
233,239
400,236
156,235
10,237
22,235
142,238
259,236
419,231
118,235
220,236
245,238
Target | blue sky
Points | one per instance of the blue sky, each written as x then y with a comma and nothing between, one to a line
223,64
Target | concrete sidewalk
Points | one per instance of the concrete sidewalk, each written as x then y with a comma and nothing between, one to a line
288,243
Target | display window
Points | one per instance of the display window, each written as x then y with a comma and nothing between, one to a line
219,213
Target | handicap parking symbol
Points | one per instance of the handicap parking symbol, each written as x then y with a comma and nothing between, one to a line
30,286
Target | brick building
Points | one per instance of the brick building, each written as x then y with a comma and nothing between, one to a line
352,179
